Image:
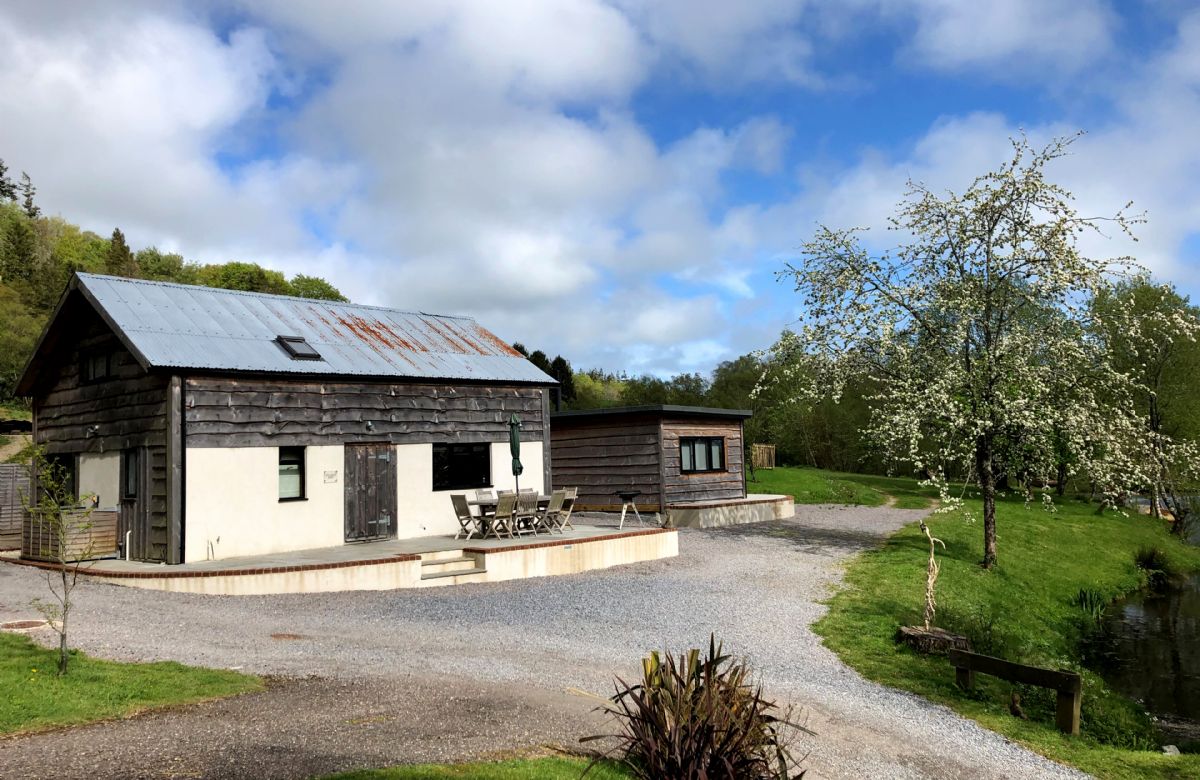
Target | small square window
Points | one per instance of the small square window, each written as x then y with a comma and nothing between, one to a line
297,348
95,366
462,466
291,473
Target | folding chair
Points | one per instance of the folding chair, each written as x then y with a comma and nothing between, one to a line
469,523
504,518
564,520
552,518
484,495
527,512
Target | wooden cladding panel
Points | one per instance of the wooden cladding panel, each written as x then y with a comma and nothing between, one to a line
224,412
602,457
128,407
704,486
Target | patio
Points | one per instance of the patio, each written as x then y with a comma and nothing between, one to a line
394,563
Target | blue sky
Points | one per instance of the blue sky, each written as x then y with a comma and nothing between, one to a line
618,182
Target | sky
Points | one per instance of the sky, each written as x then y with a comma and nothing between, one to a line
618,182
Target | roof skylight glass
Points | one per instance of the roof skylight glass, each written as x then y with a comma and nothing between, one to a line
297,348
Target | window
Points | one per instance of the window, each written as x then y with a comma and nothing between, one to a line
462,466
297,348
291,473
95,366
129,473
701,453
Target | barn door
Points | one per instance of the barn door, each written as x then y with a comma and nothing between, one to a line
370,492
135,515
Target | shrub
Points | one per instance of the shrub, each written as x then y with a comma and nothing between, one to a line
1154,563
700,717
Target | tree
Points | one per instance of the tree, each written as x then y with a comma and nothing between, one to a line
8,190
250,277
19,330
27,192
61,518
560,369
119,260
975,333
315,287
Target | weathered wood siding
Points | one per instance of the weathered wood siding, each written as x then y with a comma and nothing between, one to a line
251,412
129,409
706,486
601,456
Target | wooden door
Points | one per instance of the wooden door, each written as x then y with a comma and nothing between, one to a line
370,492
134,517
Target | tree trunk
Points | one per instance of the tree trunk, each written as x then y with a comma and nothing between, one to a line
987,484
63,656
1060,479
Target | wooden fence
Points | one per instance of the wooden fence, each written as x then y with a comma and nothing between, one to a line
87,535
14,489
762,456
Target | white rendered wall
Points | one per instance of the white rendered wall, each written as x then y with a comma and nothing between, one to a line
100,475
422,511
232,502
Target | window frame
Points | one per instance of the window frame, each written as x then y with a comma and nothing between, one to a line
302,461
461,484
130,463
690,443
86,365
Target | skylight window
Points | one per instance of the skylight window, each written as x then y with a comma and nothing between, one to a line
297,348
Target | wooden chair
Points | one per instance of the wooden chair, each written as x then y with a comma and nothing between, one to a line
484,495
469,523
527,512
551,520
568,506
505,517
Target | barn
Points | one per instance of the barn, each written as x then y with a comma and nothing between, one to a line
212,424
686,463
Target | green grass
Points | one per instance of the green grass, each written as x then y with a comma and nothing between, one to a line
814,486
35,698
1022,610
556,768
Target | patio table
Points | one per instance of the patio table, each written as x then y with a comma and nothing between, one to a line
487,508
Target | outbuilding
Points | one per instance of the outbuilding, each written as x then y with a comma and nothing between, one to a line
216,423
685,462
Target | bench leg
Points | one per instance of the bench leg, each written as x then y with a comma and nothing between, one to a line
964,678
1066,711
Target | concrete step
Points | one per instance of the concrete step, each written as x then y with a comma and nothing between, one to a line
443,565
441,555
456,577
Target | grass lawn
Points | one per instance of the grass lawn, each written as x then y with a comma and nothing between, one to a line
557,768
35,698
1022,610
814,486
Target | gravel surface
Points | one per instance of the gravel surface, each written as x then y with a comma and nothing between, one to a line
459,672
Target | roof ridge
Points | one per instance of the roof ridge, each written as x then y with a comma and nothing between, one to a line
86,275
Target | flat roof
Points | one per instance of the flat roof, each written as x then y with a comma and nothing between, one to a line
661,410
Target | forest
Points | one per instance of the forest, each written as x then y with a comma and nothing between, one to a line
38,254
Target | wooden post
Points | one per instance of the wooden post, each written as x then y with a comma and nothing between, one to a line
1066,710
964,678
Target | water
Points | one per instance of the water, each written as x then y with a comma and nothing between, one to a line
1149,649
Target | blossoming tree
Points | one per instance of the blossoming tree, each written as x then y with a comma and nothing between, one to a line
978,333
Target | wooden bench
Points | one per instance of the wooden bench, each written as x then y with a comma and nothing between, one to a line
1069,685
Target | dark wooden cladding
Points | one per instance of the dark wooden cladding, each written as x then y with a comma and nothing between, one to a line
601,457
704,486
226,412
128,408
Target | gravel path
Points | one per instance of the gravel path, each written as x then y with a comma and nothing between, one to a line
458,672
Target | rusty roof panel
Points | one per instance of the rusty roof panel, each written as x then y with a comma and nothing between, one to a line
183,326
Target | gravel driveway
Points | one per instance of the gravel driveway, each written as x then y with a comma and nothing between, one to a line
461,672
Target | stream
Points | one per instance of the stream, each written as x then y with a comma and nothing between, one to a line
1148,648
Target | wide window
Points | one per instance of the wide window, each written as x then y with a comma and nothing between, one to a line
701,453
462,466
291,473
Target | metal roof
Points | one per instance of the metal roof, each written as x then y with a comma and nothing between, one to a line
183,326
662,410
